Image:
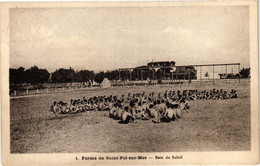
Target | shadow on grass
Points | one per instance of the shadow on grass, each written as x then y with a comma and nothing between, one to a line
63,116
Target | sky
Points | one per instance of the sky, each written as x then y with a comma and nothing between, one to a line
119,37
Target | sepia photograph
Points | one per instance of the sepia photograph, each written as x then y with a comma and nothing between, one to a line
105,81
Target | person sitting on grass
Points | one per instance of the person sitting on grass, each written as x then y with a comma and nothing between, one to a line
126,116
54,107
118,112
151,111
233,94
112,110
172,113
139,111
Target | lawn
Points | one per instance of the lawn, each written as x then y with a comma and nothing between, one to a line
222,125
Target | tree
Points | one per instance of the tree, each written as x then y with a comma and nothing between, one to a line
64,75
34,75
113,75
84,76
99,77
17,76
245,73
191,71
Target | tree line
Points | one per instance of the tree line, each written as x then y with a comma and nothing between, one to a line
35,75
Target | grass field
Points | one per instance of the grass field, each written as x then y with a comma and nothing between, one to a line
222,125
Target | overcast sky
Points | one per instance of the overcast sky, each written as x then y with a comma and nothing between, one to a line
111,38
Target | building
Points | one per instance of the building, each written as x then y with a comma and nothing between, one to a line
207,74
161,64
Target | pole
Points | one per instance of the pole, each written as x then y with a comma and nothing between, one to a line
130,76
189,77
213,75
200,75
226,74
141,76
180,81
164,73
239,73
172,77
175,78
119,75
137,74
149,73
153,75
124,78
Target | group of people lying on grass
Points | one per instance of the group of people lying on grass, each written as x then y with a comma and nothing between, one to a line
167,106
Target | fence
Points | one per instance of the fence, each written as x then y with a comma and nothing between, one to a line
174,83
50,88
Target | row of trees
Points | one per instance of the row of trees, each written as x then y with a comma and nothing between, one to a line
35,75
70,75
245,73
